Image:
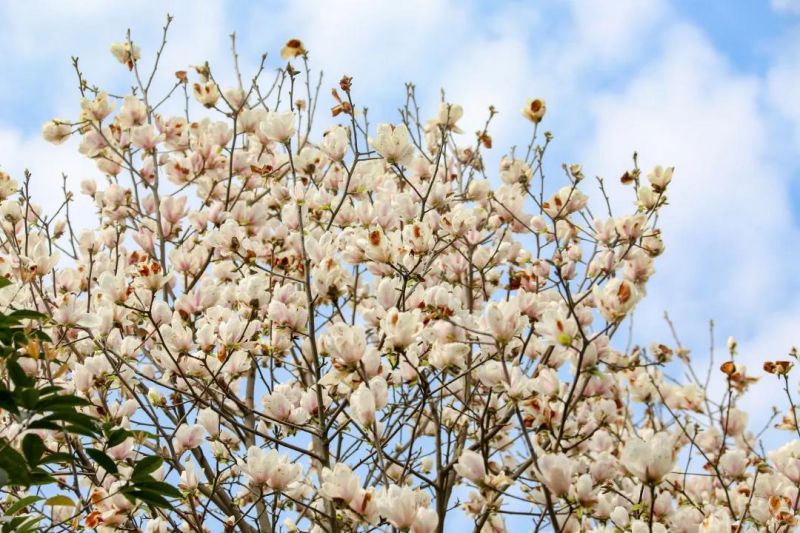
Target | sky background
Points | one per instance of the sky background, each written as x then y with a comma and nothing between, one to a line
707,86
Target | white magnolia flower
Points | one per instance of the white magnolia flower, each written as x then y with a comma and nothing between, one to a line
209,419
649,460
470,465
206,93
534,110
402,328
268,467
399,506
787,460
394,144
56,131
557,470
448,116
126,53
188,480
362,405
335,142
616,298
279,126
188,437
504,320
347,344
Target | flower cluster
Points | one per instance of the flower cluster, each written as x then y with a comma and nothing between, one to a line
367,328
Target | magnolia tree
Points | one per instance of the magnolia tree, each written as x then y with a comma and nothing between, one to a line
363,329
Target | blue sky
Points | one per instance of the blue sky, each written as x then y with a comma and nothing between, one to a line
746,31
707,86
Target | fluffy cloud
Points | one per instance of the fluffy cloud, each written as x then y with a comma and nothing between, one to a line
729,229
18,153
786,6
782,80
692,110
39,39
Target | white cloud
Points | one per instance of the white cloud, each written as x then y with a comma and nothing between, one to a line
729,214
613,32
728,228
18,154
773,341
783,79
786,6
41,37
380,44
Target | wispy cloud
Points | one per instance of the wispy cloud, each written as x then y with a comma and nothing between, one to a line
786,6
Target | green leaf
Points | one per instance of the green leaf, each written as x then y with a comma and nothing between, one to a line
158,487
23,314
29,397
33,448
76,422
28,526
21,503
60,501
40,335
11,525
50,389
153,498
59,457
17,375
146,466
143,435
53,402
13,464
74,417
4,282
7,401
44,424
80,429
40,477
19,337
103,460
117,437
